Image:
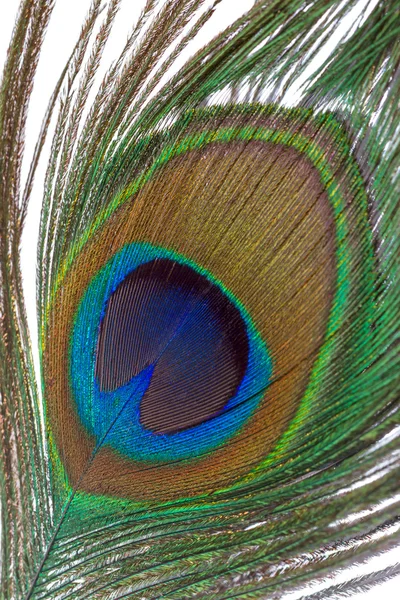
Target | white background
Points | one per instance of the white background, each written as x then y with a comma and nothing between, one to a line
62,34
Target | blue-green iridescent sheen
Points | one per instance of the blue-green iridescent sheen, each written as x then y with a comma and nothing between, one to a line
113,417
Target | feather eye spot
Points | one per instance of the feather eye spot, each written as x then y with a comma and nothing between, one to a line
167,316
254,264
165,363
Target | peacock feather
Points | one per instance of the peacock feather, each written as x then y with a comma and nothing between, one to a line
216,408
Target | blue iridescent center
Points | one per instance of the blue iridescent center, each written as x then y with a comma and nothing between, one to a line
165,363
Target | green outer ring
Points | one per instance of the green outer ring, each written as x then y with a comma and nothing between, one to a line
301,143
